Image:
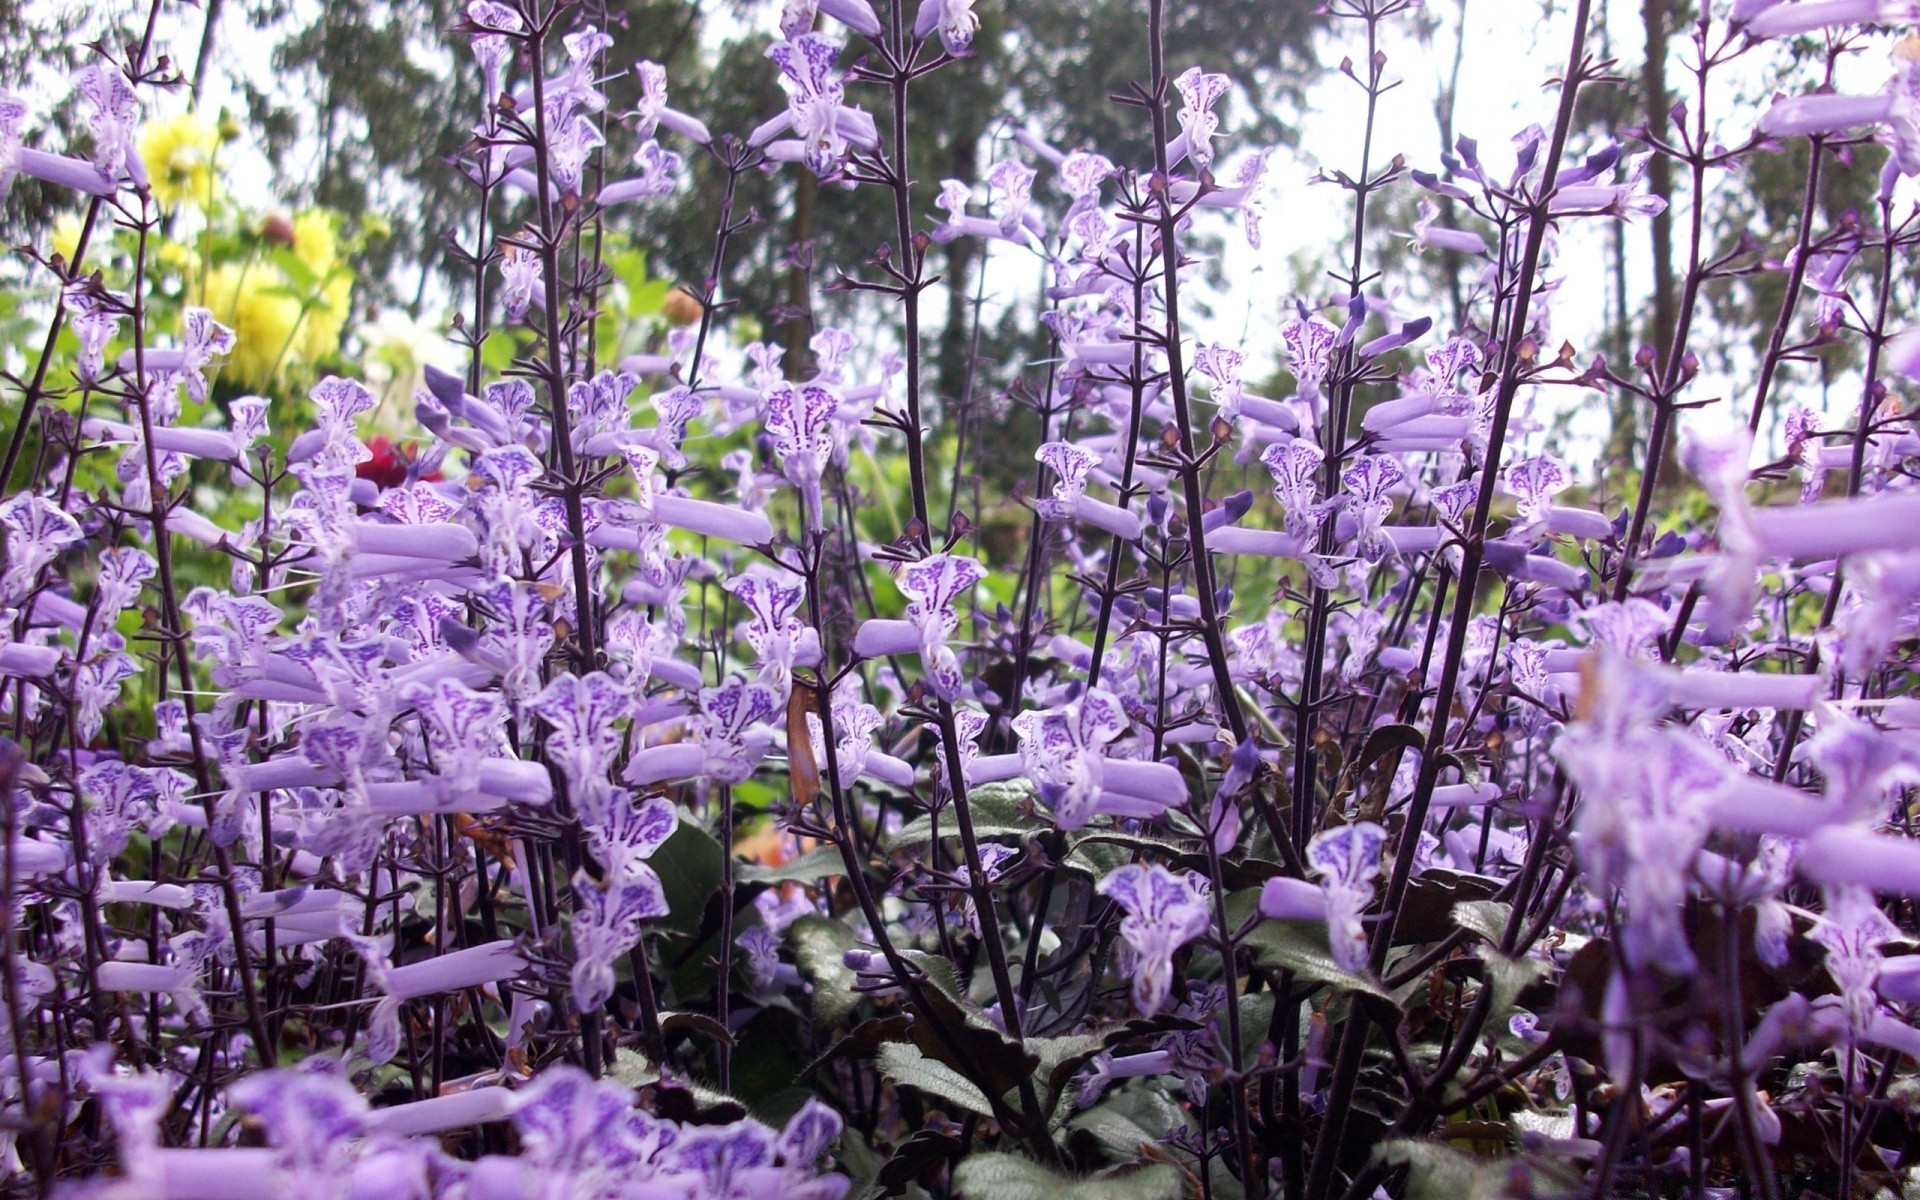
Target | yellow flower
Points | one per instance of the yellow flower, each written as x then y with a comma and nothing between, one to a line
316,243
179,156
326,317
66,235
262,323
316,239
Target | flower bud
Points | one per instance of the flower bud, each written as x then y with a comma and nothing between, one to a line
680,306
277,228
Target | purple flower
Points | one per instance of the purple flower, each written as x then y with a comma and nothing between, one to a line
115,113
451,972
955,21
773,597
815,110
800,421
1164,911
1199,92
932,586
606,925
652,111
1427,231
1064,750
1370,482
494,25
1071,465
1805,16
1295,466
1347,860
581,712
38,531
727,727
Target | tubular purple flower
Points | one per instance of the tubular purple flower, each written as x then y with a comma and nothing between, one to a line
440,1114
59,170
198,443
855,14
1746,10
713,520
1790,20
1408,333
29,662
1845,856
1428,232
1347,860
1750,804
1838,528
1283,899
1902,355
1801,116
954,19
1703,689
1465,795
1580,522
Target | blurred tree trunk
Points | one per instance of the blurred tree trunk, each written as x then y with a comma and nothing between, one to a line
1655,18
798,359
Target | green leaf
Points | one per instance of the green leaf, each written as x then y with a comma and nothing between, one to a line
811,867
1508,977
1488,918
999,810
1440,1172
1011,1177
911,1159
938,968
1061,1058
1108,850
647,299
819,949
906,1066
298,273
1301,947
691,868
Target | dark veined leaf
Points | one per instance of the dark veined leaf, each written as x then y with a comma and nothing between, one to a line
908,1067
1011,1177
1432,898
694,1023
865,1040
1487,918
912,1157
819,949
